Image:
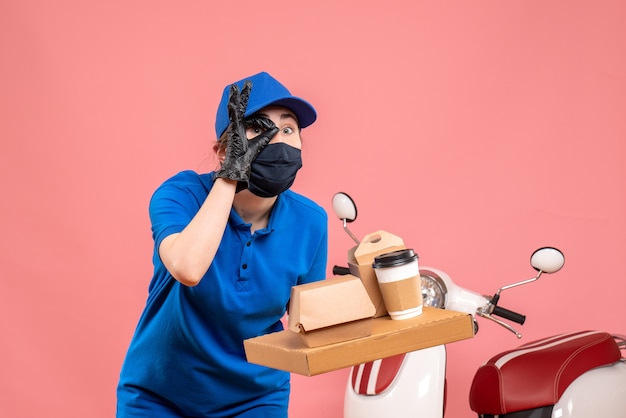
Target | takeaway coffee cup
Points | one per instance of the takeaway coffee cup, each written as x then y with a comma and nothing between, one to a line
399,279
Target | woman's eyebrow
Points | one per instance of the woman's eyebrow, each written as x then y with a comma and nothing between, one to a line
288,115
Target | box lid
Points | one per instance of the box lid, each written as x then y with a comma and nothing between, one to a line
328,302
284,350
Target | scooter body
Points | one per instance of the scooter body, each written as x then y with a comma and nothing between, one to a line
576,375
409,385
600,392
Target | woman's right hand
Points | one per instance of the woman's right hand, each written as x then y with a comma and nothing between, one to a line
241,151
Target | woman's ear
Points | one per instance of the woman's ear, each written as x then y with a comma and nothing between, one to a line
220,151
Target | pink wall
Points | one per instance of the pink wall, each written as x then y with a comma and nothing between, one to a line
477,131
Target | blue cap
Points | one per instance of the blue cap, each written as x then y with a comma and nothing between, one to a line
266,91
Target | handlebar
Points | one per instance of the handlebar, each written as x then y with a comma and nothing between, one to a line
340,271
510,315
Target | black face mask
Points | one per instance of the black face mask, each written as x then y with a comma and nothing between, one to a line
274,169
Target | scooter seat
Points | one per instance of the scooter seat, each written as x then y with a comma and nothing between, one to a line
536,374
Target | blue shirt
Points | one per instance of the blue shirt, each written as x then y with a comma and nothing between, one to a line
188,344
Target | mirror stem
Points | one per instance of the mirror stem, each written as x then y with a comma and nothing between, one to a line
345,226
519,283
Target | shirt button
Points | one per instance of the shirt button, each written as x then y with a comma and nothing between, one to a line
244,266
248,244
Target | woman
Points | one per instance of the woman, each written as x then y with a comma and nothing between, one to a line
229,245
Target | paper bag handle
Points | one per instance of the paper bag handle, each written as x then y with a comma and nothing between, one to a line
376,243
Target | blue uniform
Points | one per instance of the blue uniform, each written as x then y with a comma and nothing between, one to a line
186,357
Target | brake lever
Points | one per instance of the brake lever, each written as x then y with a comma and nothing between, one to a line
483,314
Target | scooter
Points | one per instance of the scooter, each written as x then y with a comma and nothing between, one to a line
575,375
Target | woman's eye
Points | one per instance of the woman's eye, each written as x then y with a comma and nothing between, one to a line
287,130
254,131
258,125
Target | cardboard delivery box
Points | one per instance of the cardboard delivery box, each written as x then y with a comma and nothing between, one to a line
330,311
361,257
285,350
